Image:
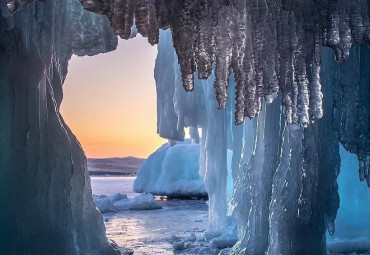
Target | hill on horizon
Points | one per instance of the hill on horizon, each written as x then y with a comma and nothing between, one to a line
114,166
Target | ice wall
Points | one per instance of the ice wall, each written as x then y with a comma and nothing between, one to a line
47,205
302,192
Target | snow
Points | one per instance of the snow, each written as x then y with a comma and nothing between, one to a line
172,171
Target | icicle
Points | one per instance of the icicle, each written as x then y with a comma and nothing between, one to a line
342,51
142,17
271,83
205,41
122,20
153,33
93,5
356,24
238,65
184,37
263,41
316,111
223,55
250,84
333,36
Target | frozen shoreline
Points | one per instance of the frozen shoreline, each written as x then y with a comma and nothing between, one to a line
150,232
154,232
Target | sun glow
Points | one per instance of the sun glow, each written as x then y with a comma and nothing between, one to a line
110,101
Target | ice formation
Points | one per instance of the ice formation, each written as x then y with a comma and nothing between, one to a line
282,172
172,171
285,161
120,202
44,185
270,46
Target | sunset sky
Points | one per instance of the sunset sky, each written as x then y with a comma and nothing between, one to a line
110,101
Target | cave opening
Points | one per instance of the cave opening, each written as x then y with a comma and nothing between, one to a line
99,93
310,56
98,97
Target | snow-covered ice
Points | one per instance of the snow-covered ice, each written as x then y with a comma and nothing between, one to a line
179,228
120,202
172,171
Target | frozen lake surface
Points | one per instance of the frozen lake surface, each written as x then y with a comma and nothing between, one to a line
150,232
108,185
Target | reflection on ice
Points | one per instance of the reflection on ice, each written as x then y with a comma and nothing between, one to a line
151,232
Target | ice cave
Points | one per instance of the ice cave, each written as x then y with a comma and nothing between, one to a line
279,88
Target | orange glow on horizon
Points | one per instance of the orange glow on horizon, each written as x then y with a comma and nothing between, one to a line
110,101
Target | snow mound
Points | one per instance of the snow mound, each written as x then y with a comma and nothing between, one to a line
172,171
120,202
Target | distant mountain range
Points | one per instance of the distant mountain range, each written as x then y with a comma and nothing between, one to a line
114,166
